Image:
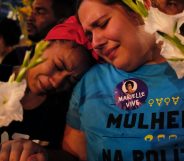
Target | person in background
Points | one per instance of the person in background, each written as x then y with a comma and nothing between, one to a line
169,6
50,83
36,124
45,14
10,33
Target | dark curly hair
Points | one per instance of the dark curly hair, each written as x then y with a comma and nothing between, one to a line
129,82
10,31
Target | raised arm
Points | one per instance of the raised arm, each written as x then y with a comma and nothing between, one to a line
75,142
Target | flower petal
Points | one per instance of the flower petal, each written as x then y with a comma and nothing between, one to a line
11,109
159,21
173,56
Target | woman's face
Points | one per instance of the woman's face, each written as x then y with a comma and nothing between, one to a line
63,67
114,34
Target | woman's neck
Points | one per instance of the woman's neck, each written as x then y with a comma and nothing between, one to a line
155,57
31,101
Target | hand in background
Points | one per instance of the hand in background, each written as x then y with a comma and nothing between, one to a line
22,150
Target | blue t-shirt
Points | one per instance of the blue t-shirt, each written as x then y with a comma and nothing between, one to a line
146,124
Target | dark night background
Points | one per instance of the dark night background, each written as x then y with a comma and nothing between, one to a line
4,9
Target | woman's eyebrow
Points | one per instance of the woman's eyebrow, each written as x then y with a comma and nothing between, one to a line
96,22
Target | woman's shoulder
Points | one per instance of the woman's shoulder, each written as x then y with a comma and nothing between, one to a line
93,75
97,75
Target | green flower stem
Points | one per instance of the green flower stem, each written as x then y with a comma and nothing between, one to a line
142,9
28,64
36,62
137,7
176,59
26,59
40,47
174,40
23,70
21,74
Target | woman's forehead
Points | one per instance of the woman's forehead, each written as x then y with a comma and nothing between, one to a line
94,11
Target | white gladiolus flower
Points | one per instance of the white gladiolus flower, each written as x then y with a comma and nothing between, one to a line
174,56
168,29
169,34
10,106
159,21
12,92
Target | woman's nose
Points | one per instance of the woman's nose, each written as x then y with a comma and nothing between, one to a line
57,78
98,40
